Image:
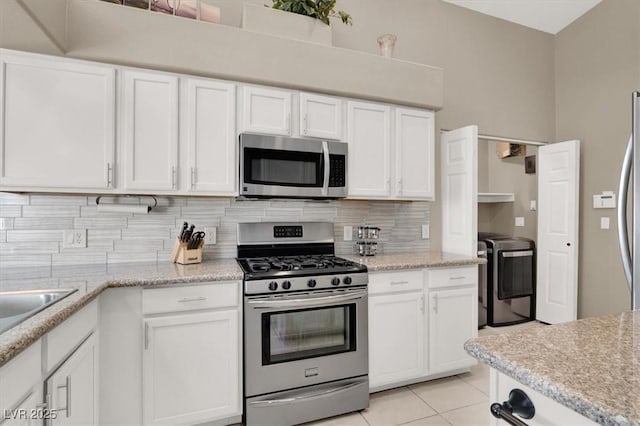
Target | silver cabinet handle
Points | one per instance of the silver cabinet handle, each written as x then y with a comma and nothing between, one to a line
193,177
289,123
459,277
435,303
67,388
109,175
422,308
400,186
173,177
305,124
399,282
146,336
192,299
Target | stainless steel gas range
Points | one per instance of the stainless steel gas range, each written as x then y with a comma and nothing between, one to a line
305,325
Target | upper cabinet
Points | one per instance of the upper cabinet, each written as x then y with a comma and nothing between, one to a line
150,130
209,131
266,111
369,139
320,116
414,165
58,123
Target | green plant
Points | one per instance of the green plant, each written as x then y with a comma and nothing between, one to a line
319,9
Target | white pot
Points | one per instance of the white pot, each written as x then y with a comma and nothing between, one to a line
266,20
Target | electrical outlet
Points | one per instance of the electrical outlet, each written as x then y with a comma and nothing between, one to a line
425,232
519,221
604,223
75,238
210,235
348,233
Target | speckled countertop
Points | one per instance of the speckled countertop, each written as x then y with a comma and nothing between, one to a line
591,366
91,280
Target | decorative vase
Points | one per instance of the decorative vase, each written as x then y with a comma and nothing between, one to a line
387,42
266,20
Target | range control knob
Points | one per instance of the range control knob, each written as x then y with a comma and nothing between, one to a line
311,283
286,285
347,280
335,281
273,286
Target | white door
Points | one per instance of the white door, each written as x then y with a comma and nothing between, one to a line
210,119
453,319
57,119
415,163
459,153
369,139
73,388
190,368
557,256
396,337
320,116
266,111
150,130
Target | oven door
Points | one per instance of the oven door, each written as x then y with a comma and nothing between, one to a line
303,339
278,166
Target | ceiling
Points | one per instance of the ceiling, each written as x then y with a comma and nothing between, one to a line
550,16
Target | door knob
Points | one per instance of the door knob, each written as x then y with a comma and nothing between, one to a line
568,244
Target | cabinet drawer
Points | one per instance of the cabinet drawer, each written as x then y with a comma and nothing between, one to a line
19,375
396,281
70,333
193,297
451,277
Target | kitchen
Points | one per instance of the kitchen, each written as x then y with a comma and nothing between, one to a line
490,67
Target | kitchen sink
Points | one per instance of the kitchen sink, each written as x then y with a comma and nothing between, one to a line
17,306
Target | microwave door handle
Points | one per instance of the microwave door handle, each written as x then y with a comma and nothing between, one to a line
327,167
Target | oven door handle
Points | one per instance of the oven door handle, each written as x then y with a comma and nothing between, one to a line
305,301
327,167
312,395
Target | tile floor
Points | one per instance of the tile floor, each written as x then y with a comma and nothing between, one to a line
461,400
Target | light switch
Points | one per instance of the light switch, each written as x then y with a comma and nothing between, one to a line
604,223
519,221
533,205
425,232
210,235
348,233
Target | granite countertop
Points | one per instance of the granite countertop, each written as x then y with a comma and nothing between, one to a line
91,280
430,259
591,366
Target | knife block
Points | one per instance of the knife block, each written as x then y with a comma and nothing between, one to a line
184,256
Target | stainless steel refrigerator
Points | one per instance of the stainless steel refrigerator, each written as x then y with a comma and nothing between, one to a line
630,245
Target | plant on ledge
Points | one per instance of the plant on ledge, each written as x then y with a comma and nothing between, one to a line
318,9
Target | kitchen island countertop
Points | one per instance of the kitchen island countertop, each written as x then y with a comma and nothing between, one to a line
591,366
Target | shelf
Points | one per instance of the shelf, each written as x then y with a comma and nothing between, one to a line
495,197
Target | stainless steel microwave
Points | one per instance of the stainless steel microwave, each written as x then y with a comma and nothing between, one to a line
276,166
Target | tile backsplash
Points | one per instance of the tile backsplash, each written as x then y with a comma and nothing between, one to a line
32,226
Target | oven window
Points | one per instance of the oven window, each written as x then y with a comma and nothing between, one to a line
308,333
284,168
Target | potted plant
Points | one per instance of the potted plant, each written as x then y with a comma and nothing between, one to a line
305,20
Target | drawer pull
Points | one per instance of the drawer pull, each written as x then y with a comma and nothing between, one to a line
192,299
461,277
518,403
399,282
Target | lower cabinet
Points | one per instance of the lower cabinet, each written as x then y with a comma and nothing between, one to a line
72,389
29,412
190,367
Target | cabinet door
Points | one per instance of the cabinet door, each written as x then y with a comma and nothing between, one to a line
369,150
29,412
191,370
72,389
320,116
210,120
150,130
266,111
396,337
58,123
415,164
452,321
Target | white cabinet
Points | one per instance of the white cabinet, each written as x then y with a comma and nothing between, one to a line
29,412
396,337
369,139
192,357
208,118
149,130
21,387
58,123
320,116
415,154
72,389
266,111
453,316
